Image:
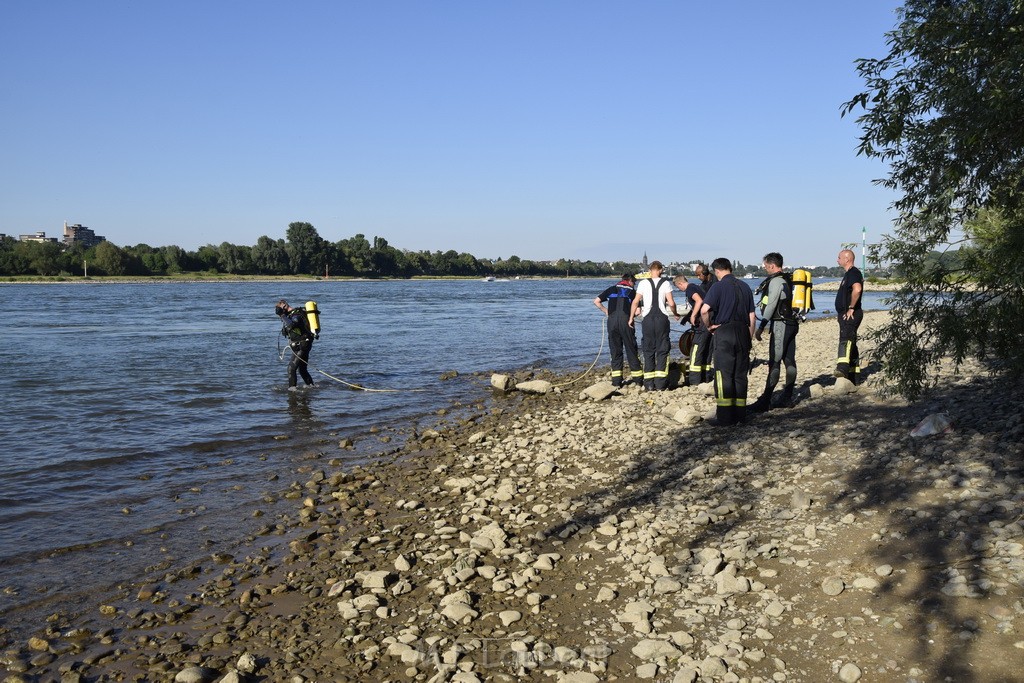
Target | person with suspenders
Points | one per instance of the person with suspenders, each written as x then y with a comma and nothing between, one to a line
655,295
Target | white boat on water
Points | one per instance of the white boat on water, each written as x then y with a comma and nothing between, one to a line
489,278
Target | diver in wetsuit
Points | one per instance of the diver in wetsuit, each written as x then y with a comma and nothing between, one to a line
295,328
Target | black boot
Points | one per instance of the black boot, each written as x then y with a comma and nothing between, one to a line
786,400
761,405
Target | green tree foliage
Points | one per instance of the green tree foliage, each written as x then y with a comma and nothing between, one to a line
944,109
110,259
269,256
304,252
306,249
356,251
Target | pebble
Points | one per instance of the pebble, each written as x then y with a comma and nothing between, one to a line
833,585
849,673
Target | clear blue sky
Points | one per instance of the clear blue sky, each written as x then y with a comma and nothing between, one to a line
595,130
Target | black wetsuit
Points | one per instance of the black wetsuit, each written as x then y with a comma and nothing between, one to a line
295,327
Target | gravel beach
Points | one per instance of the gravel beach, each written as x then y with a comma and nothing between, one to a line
579,535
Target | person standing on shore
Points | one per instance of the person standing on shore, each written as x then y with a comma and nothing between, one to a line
655,295
295,328
621,335
728,313
706,277
850,314
700,355
776,301
701,367
694,295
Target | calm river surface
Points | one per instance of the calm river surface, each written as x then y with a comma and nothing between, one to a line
139,419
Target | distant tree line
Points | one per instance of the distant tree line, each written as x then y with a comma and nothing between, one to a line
302,252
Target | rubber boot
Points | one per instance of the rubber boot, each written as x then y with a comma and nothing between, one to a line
761,405
786,400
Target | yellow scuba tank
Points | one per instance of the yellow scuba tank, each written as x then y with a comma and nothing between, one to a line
803,300
313,316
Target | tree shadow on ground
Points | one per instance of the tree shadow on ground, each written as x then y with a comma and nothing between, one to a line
952,500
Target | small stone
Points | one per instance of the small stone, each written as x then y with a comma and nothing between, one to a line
653,649
850,673
801,500
509,617
246,664
195,674
647,671
883,570
833,585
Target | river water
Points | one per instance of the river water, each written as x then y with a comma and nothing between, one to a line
139,420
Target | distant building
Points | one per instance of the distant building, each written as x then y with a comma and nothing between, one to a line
79,234
37,237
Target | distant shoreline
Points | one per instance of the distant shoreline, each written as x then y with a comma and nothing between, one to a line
235,279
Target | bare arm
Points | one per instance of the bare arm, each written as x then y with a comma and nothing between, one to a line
698,302
705,316
597,302
632,309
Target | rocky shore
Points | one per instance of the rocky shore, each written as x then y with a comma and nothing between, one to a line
583,535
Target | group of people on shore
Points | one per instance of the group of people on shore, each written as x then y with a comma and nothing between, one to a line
720,309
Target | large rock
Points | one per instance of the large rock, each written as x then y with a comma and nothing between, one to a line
687,417
843,386
502,382
654,649
599,391
535,386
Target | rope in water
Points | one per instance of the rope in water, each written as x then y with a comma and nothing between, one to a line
357,387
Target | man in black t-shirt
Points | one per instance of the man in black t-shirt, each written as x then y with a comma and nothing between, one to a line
728,312
850,314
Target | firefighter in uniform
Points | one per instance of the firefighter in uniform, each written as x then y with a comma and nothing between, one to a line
701,368
850,314
729,314
655,294
619,298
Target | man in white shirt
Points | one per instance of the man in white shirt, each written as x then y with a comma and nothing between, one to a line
654,295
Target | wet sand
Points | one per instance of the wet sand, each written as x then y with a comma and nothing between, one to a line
556,537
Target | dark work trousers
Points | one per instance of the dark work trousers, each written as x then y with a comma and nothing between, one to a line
701,369
299,361
848,360
656,347
781,351
732,362
622,336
